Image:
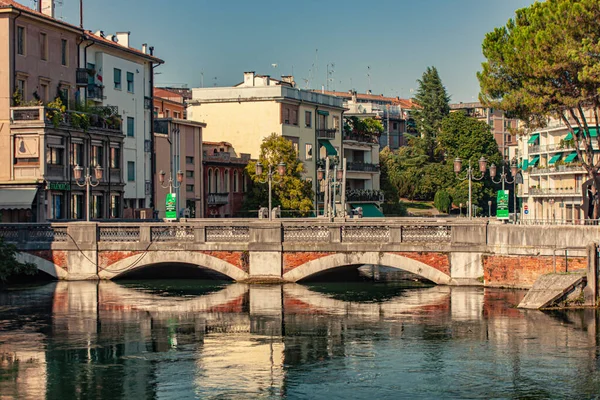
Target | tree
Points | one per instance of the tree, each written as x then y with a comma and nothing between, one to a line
546,63
442,201
290,191
9,265
433,101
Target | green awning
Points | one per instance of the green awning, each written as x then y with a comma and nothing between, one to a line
571,157
525,164
331,151
555,158
533,138
321,112
534,161
569,136
593,131
369,210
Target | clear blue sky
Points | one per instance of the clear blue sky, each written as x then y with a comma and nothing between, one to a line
398,39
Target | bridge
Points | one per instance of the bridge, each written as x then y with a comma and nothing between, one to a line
447,252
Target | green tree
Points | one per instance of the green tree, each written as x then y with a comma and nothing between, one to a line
442,201
433,101
388,165
546,63
289,191
9,265
468,138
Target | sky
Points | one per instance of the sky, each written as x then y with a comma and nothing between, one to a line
382,45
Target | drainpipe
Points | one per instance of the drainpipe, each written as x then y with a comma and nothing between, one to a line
14,58
315,153
85,63
68,200
152,143
108,170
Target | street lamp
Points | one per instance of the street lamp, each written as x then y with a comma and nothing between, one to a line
332,182
470,176
87,182
171,185
281,167
514,170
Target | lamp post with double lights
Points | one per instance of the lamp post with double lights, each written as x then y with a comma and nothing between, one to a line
280,171
514,170
172,200
88,182
470,176
332,183
172,185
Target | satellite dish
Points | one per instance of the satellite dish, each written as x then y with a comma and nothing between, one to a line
115,39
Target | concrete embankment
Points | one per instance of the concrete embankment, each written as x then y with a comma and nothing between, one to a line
556,290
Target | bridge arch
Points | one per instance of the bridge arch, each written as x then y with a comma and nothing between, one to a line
384,259
161,257
43,265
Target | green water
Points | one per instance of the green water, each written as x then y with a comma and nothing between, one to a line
213,340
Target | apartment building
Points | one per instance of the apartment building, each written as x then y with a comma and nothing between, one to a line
247,113
226,179
40,145
554,181
503,128
168,104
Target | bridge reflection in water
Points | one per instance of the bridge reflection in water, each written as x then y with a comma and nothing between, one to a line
103,339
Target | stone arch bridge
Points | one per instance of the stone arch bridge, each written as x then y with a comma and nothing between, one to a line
450,252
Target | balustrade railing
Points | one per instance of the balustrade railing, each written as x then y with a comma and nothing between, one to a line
431,234
171,233
326,133
306,234
217,198
227,234
362,167
362,138
360,234
119,233
357,195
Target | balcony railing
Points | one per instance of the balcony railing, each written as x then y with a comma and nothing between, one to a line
362,138
326,133
556,147
95,92
217,199
104,118
81,76
559,169
364,195
362,167
554,192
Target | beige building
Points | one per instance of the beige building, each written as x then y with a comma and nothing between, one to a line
178,147
247,113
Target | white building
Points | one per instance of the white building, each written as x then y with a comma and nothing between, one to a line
115,74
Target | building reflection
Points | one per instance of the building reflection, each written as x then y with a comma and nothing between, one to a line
92,340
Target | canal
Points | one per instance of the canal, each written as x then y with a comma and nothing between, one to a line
186,339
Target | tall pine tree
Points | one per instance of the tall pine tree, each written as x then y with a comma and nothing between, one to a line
434,106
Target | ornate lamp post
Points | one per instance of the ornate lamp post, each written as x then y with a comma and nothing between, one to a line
280,171
87,181
514,169
171,185
470,176
332,182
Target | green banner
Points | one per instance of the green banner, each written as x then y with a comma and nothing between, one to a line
171,206
502,204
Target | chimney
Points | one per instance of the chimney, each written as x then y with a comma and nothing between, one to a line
369,91
267,80
249,78
46,7
123,38
145,48
288,79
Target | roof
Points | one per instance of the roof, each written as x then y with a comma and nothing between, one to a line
216,143
168,95
91,35
21,7
404,103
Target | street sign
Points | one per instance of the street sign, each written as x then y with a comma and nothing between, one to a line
502,204
526,209
171,206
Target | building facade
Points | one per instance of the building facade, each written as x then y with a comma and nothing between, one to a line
178,147
226,179
40,141
247,113
168,104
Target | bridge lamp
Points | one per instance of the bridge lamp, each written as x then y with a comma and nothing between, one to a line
161,176
179,176
281,168
259,168
457,165
482,164
493,170
514,169
320,173
340,174
77,172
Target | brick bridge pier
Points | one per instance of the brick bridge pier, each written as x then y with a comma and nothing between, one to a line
446,252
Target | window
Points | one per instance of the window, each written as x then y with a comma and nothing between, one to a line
130,126
97,206
308,119
77,154
115,206
216,183
167,113
77,206
64,53
63,93
131,171
21,87
210,178
226,181
189,174
115,157
336,122
176,114
21,40
309,154
322,121
97,156
117,78
235,181
56,210
44,92
156,112
189,188
55,155
395,126
289,114
189,160
130,82
43,46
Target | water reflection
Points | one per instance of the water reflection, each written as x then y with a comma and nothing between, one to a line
183,339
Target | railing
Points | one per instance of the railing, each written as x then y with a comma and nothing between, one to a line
358,195
104,118
227,234
559,221
81,76
362,167
556,147
95,92
362,138
559,169
34,233
554,191
171,233
217,198
326,133
119,233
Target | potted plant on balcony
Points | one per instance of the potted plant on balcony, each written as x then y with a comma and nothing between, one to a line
114,121
54,112
80,120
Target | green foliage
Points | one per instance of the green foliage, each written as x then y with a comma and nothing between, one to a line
442,201
289,191
394,209
9,265
366,126
54,111
80,120
17,98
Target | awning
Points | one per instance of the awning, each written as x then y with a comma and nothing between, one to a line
571,157
17,198
331,151
525,164
534,161
569,136
555,158
322,112
533,138
593,131
369,210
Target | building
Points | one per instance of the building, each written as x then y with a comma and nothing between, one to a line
168,104
226,179
501,126
553,177
117,75
40,146
178,147
247,113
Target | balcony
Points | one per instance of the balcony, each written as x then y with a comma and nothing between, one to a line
362,167
95,92
326,133
556,147
217,199
364,195
81,76
103,118
556,192
561,169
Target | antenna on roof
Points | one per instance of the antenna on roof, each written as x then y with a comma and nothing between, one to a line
81,14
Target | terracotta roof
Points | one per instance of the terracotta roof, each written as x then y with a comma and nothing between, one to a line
216,143
21,7
112,44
